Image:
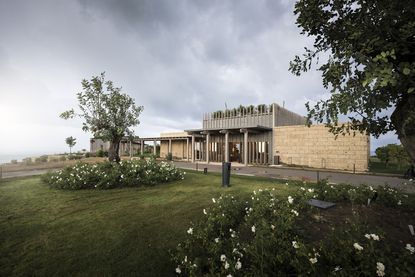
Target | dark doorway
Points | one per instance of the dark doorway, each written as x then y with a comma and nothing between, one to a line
235,152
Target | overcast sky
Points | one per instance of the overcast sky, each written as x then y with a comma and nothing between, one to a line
176,58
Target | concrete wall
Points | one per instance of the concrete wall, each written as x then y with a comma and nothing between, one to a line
284,117
315,147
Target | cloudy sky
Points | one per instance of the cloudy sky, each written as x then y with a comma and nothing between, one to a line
176,58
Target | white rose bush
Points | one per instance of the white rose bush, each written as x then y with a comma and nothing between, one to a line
260,235
107,175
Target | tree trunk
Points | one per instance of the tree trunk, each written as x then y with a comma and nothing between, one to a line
113,151
403,119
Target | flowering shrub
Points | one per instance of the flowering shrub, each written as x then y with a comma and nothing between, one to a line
356,194
108,175
265,235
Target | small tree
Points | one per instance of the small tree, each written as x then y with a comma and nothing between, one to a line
382,154
107,113
70,141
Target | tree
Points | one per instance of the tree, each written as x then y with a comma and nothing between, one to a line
382,154
369,67
70,141
107,113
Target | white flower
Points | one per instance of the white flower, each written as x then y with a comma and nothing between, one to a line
311,190
222,257
290,199
295,244
238,265
367,236
337,268
213,200
286,183
272,227
399,203
204,211
178,271
226,265
294,212
217,240
229,275
253,229
410,248
313,260
380,269
357,246
190,231
374,236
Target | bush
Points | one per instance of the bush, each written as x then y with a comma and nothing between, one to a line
27,161
74,157
169,156
267,236
62,158
13,161
42,159
108,175
101,153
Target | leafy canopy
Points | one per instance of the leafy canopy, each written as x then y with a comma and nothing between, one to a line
70,141
108,113
369,67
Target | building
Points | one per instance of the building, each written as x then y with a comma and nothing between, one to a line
264,135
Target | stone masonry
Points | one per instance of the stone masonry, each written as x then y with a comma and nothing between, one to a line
316,147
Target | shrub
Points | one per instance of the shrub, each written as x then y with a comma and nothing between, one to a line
27,161
108,175
267,236
13,161
42,159
62,158
75,157
169,156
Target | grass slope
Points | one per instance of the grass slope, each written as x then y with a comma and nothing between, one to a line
104,232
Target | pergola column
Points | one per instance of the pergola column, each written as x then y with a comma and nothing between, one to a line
131,150
207,147
193,148
155,148
227,147
142,147
169,146
187,149
245,131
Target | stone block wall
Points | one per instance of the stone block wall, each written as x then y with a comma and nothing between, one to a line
315,147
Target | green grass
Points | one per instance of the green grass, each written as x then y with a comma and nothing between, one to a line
125,232
377,166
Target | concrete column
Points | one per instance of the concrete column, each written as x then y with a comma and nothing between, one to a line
169,146
187,149
207,147
142,147
155,148
193,148
131,150
227,147
246,147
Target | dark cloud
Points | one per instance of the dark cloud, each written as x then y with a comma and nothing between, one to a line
177,58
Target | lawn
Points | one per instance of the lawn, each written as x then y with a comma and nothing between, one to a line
125,231
376,166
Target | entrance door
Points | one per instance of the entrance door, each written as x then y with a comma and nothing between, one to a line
235,152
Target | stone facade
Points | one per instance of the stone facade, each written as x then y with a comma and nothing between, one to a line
316,147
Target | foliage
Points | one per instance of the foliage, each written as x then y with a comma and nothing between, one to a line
102,153
70,141
242,110
109,114
169,156
42,159
261,236
108,175
369,64
392,152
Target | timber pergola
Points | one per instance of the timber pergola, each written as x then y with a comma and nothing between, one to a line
226,131
167,138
